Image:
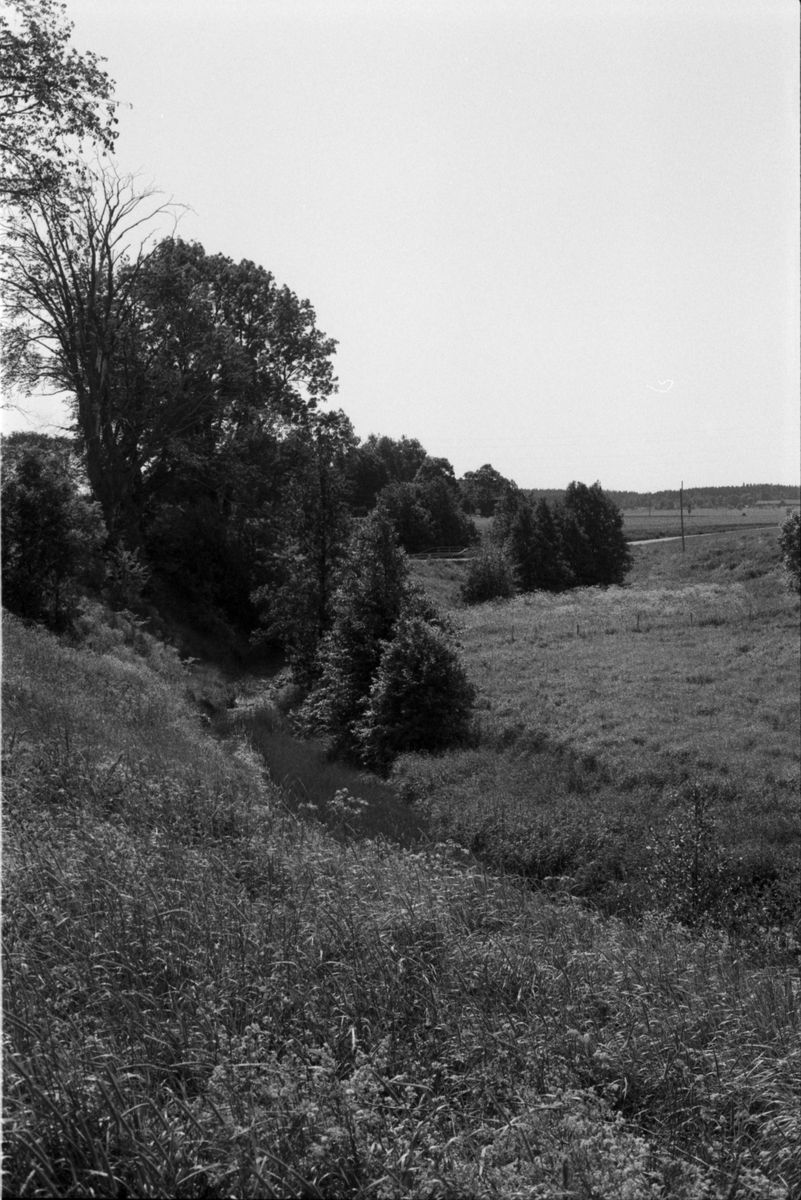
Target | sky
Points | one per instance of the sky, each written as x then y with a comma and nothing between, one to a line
559,236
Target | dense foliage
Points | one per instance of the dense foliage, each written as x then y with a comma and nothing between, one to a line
51,100
420,699
389,679
195,385
790,547
577,541
489,576
592,537
309,541
51,532
483,489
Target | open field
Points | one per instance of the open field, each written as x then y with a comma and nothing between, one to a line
639,524
207,997
604,712
702,675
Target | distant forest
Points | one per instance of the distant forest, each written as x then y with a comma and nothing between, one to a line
701,497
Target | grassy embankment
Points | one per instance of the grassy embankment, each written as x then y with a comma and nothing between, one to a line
616,722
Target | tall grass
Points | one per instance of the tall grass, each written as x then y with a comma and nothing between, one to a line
207,996
349,802
603,711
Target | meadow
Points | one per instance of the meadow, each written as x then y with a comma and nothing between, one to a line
213,988
606,714
642,523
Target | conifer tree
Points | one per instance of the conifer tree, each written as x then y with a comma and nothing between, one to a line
389,678
593,541
368,603
421,699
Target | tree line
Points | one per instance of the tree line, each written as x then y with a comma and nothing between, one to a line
576,540
706,497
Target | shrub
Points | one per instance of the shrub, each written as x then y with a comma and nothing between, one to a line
420,700
51,533
689,875
126,577
790,545
489,577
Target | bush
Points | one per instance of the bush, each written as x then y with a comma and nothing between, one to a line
489,577
420,700
790,545
51,533
126,577
689,876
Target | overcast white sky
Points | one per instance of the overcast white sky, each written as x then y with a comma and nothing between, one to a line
522,219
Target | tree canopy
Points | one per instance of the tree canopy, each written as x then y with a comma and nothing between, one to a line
176,362
52,99
483,489
575,542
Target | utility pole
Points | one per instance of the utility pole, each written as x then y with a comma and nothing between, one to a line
681,510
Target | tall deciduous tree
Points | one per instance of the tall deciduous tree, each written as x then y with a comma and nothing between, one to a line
51,99
483,489
402,457
507,508
71,265
309,538
402,504
178,363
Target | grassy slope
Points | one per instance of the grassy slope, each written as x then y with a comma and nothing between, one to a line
599,710
207,997
697,672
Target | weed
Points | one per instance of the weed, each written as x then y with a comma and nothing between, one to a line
688,875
